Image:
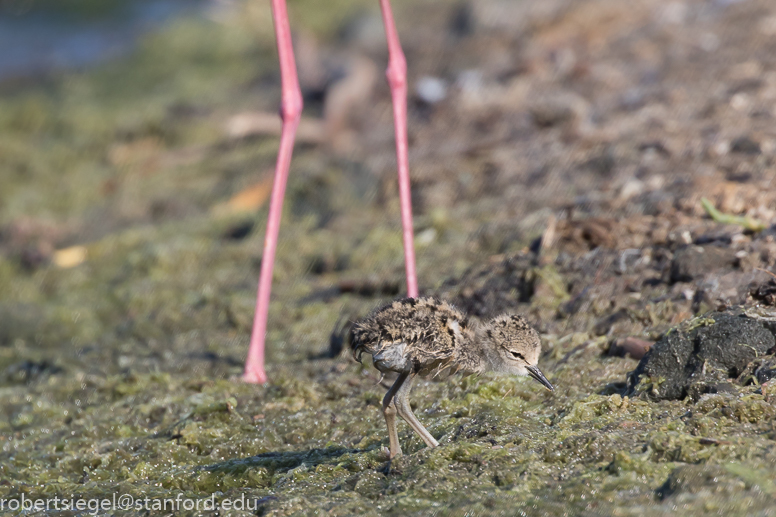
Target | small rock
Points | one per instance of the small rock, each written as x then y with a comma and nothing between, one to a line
551,113
426,237
766,371
691,262
238,231
762,370
431,90
709,350
741,102
631,188
765,293
745,145
721,148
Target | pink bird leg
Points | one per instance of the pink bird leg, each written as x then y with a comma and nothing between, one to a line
291,112
397,79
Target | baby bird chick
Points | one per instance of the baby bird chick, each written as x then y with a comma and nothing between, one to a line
425,335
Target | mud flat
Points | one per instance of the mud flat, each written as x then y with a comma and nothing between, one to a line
561,176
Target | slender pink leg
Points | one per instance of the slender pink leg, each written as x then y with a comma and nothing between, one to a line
290,113
397,79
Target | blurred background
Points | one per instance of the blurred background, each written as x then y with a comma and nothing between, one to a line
138,140
559,152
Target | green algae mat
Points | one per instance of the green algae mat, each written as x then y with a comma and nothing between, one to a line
560,178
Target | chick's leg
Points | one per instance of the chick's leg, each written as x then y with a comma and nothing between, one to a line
403,408
389,412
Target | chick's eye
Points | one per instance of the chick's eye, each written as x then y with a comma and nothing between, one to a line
517,355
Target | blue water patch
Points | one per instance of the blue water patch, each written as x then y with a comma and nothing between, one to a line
39,42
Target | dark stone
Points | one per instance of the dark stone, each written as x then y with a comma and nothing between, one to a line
551,113
708,351
462,21
766,371
739,177
761,370
239,231
720,237
745,145
695,391
692,262
764,293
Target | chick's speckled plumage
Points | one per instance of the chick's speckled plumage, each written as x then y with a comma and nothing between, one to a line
413,334
425,335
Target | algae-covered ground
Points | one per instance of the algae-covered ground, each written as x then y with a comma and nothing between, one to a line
560,176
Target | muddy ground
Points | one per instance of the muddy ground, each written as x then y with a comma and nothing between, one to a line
560,152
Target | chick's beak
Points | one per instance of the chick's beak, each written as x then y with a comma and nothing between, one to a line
534,372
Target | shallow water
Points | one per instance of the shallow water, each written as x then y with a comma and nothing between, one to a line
37,41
